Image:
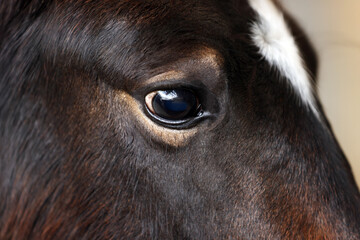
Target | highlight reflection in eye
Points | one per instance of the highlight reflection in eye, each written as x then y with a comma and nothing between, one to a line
173,105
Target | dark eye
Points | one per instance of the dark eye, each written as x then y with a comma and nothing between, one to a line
174,106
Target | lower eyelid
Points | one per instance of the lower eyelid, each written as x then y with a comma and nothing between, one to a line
173,137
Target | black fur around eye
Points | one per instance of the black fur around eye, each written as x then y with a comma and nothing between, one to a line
173,106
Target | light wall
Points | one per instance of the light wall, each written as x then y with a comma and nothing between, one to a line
334,28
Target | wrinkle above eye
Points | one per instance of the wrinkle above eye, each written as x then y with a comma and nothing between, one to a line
205,64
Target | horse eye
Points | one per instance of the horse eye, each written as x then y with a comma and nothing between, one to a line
173,106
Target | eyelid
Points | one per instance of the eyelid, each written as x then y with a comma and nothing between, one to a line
187,122
192,84
171,136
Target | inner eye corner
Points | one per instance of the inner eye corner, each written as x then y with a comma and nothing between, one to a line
148,101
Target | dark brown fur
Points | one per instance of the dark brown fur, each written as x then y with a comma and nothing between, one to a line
75,165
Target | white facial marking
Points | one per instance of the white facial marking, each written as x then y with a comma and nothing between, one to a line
272,36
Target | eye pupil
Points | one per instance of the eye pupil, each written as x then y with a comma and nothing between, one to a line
175,104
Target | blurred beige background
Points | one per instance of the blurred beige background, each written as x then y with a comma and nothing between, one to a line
334,28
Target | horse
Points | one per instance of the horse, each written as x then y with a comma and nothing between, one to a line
193,119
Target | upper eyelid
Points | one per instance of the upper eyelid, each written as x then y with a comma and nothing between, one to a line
191,84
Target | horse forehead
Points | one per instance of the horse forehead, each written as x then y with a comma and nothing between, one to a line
157,28
140,22
143,12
